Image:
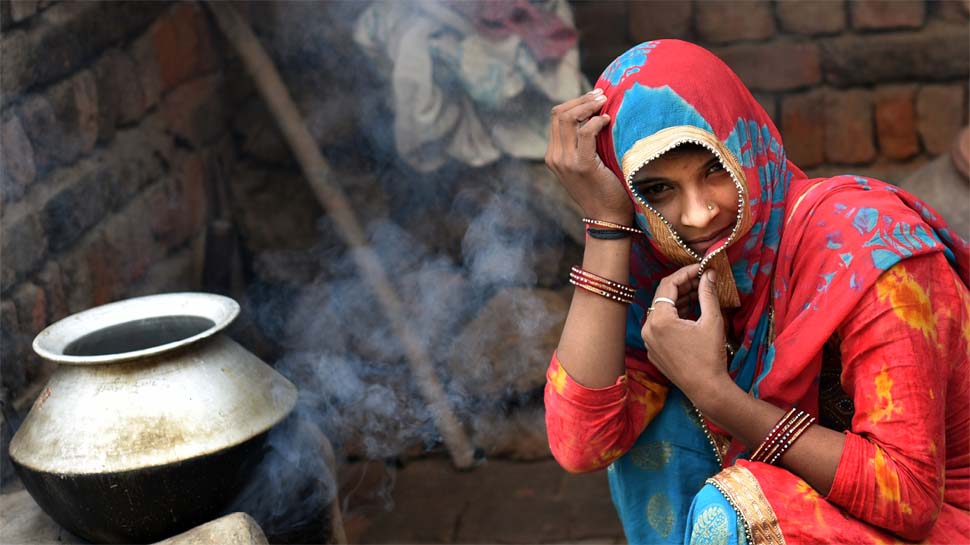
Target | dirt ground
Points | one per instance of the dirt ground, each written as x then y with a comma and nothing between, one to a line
501,501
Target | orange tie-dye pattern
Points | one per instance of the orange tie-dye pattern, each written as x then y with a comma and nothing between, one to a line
886,407
557,377
804,491
908,300
609,456
652,397
887,480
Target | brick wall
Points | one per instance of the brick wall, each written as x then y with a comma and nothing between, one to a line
112,122
874,87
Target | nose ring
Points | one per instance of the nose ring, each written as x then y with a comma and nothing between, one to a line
710,207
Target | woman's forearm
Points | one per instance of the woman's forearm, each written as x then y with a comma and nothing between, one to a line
814,457
591,348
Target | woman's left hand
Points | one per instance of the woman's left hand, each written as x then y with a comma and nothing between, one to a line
688,352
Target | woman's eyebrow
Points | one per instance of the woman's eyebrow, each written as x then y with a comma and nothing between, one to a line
710,162
650,179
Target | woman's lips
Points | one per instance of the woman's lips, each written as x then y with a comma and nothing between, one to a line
701,244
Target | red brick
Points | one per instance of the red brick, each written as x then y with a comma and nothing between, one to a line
940,111
183,44
84,199
164,203
811,17
178,204
46,137
103,277
954,10
13,346
178,271
195,110
848,127
51,281
659,19
149,74
18,159
15,62
31,309
778,66
896,121
86,109
723,22
23,247
803,128
22,9
89,274
65,37
888,14
192,178
63,123
935,53
119,90
132,245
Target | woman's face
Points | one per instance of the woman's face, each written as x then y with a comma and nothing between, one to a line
691,190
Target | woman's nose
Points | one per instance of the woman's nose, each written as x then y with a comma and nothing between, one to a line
698,211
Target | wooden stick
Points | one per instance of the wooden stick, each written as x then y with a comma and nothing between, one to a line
319,174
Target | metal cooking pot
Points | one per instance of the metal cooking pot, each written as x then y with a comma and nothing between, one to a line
151,422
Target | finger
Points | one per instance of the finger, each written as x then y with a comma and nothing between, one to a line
707,294
571,118
587,108
678,282
573,102
586,144
553,151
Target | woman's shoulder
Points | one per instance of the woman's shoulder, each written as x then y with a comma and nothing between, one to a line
852,198
857,215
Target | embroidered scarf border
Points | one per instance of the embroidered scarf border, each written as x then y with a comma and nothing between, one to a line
742,490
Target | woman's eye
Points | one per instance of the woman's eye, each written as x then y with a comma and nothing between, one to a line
715,168
653,190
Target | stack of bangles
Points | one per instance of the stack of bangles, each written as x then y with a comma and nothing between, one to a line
604,287
782,436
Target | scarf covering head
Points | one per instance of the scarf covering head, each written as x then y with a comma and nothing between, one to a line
804,250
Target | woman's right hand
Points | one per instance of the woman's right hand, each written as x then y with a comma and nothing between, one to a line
572,157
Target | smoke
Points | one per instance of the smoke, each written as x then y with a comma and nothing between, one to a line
452,239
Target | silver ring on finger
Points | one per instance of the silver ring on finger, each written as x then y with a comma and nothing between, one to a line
663,300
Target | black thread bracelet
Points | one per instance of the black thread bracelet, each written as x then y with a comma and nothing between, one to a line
607,234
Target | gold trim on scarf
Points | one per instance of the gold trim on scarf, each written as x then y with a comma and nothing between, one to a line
651,147
742,491
798,202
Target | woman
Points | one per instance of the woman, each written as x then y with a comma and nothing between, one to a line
689,407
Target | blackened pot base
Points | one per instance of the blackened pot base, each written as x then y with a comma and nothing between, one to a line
145,505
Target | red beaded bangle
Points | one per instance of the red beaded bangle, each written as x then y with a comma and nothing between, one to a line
627,290
781,437
600,292
603,287
771,438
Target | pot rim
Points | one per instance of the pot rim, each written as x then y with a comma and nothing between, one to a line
55,338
